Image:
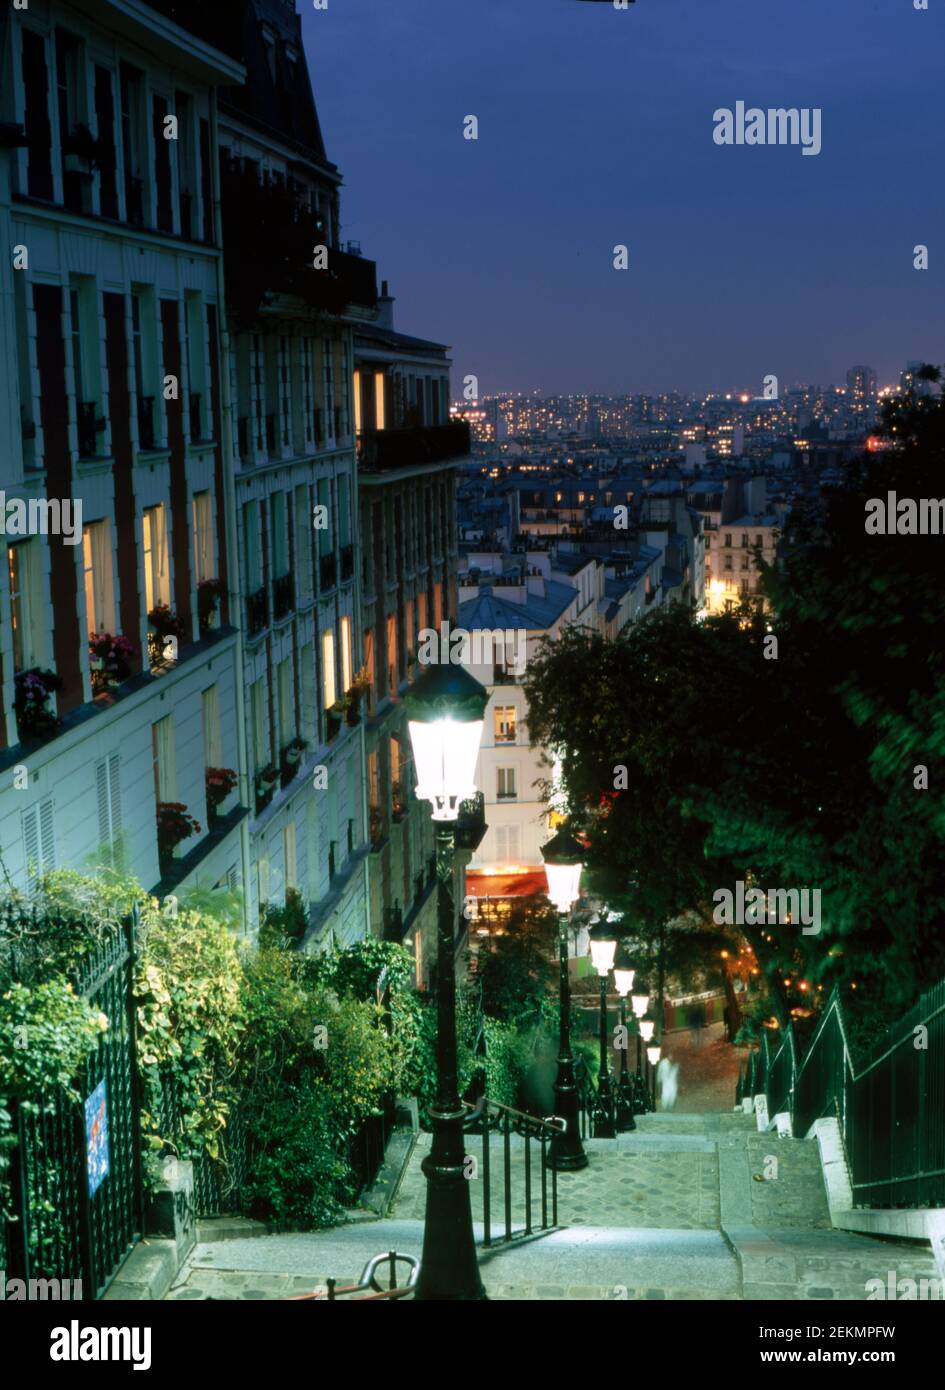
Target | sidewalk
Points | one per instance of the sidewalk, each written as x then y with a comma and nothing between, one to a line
707,1078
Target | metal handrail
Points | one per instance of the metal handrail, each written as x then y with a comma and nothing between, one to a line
494,1116
368,1280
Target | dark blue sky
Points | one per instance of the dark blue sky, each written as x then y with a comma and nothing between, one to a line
595,127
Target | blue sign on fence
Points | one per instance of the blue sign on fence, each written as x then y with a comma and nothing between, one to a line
96,1137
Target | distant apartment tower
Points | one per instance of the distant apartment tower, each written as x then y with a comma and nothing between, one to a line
119,665
861,391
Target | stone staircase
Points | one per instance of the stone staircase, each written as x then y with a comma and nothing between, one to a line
689,1206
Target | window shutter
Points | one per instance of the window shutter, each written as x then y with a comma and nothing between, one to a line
101,790
31,843
47,835
114,790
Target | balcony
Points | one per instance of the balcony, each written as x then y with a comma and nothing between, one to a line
269,236
283,597
471,822
347,563
382,450
257,612
196,415
89,425
327,571
146,422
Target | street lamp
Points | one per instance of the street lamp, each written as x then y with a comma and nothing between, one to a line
623,979
445,712
640,1000
603,944
646,1027
564,859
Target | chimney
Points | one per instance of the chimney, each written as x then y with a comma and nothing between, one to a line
385,308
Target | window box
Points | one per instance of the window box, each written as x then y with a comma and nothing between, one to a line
219,782
174,824
32,689
111,661
209,597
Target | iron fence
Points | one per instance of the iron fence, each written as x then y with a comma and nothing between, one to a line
75,1171
890,1105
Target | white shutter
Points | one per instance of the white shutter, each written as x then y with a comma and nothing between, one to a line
39,840
101,793
47,835
114,791
31,843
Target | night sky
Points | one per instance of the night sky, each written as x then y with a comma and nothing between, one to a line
595,128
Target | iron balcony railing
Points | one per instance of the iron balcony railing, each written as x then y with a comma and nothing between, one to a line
145,422
327,570
283,596
380,450
347,562
890,1105
257,613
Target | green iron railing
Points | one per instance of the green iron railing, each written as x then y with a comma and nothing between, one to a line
890,1105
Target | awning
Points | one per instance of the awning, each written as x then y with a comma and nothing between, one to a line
482,885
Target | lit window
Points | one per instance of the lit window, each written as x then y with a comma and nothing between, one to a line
97,573
328,668
156,584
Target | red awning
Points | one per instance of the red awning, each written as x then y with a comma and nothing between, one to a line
480,885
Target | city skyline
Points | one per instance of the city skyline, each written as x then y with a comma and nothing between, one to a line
742,262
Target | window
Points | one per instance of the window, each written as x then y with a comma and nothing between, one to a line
505,723
251,547
143,338
165,762
374,782
286,706
437,605
162,165
357,403
21,560
392,662
288,855
257,700
507,841
186,170
728,562
308,402
410,635
280,558
328,668
307,672
76,186
346,674
263,881
379,415
108,797
210,707
157,587
194,364
369,665
728,538
745,562
36,116
133,143
97,569
39,840
506,782
204,564
759,540
421,612
329,386
285,392
303,546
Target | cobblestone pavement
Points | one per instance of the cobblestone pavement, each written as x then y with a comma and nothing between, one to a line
629,1183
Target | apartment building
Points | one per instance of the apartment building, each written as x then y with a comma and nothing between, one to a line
295,294
118,652
409,451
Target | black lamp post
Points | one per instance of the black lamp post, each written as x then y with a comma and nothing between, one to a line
603,943
564,859
623,979
645,1027
640,999
445,711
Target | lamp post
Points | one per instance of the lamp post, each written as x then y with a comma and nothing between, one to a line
623,979
646,1026
603,943
445,712
640,1001
564,859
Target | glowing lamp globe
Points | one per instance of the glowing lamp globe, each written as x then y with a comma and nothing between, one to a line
640,1003
623,972
646,1029
445,712
564,860
603,944
653,1054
